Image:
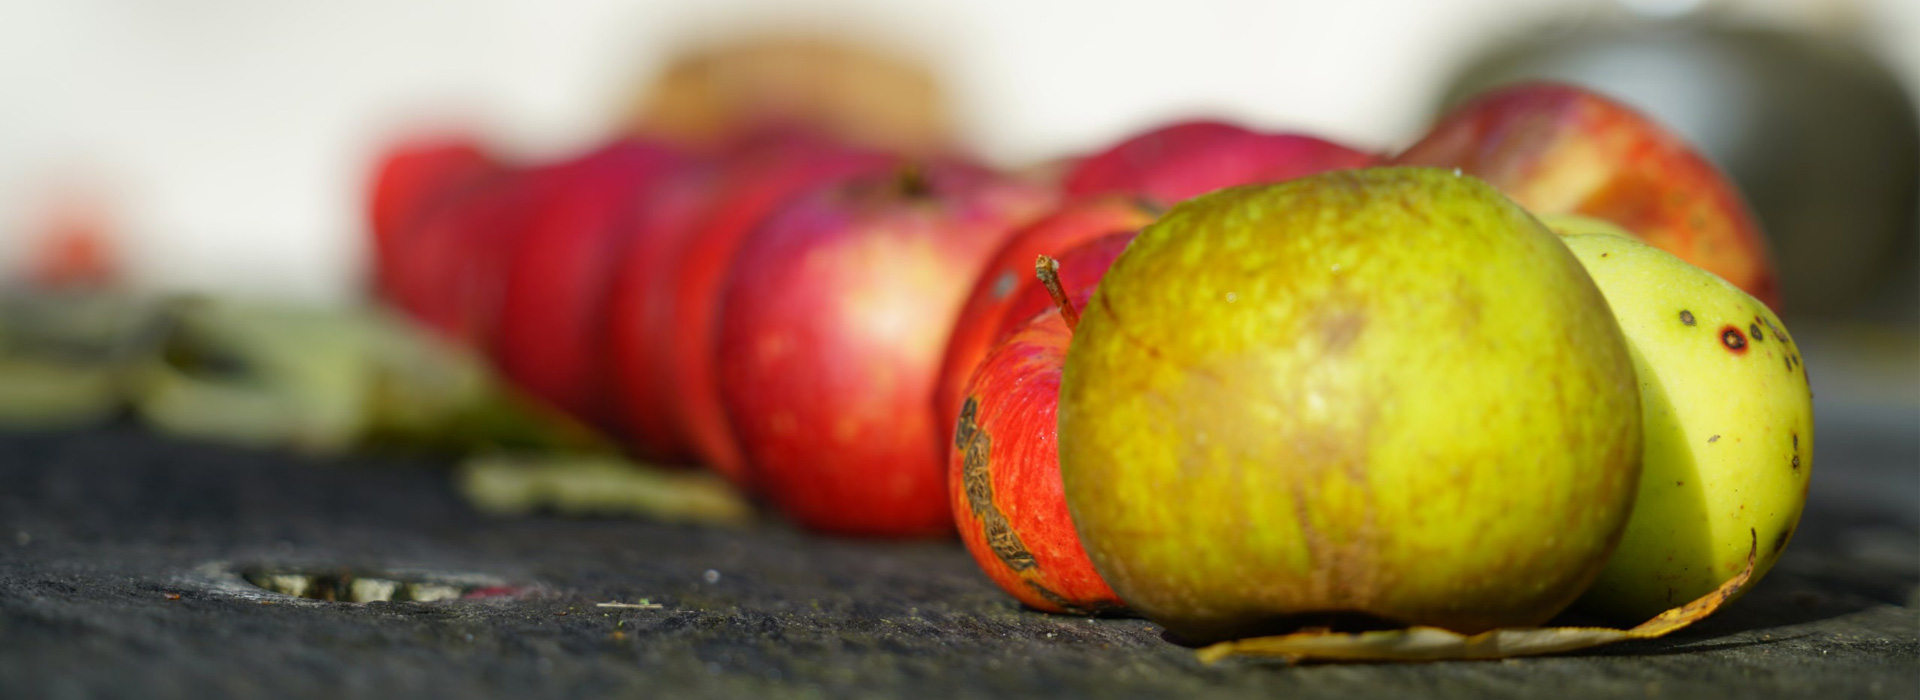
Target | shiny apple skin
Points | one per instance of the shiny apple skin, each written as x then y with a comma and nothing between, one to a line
831,337
1563,149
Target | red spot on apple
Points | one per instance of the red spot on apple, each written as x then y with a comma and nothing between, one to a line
1735,341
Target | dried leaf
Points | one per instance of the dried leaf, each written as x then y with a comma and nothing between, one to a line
599,485
1435,644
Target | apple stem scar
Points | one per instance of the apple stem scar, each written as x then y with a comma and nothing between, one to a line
1048,270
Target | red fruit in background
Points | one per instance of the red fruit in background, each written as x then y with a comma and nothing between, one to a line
73,248
757,181
448,274
1080,268
1004,475
1181,161
411,180
639,318
1561,149
558,275
834,323
989,305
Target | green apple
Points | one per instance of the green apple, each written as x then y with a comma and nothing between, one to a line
1386,393
1728,429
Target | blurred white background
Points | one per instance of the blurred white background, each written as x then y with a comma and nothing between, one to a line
228,140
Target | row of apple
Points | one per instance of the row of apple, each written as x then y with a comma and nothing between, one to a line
779,311
804,316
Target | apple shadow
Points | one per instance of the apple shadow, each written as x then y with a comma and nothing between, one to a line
1670,483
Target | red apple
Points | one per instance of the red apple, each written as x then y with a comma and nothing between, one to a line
1080,268
639,317
1177,162
757,181
1003,471
1561,149
834,322
412,179
558,273
988,310
448,273
1004,476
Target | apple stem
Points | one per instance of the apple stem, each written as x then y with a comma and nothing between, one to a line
912,180
1048,270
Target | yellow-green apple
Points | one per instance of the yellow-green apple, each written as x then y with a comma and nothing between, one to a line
831,333
1728,429
1174,162
1387,394
1562,149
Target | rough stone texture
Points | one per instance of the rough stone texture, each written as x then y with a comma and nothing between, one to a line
98,528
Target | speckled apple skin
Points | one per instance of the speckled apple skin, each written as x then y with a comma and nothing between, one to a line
1728,430
1386,392
1563,149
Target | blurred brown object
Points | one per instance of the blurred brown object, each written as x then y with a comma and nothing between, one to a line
713,93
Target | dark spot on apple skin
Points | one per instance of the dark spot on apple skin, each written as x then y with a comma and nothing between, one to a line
1715,438
1003,285
1340,329
1753,329
1734,340
1780,543
1686,317
976,476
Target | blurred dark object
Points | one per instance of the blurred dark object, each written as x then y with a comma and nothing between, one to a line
718,92
1819,134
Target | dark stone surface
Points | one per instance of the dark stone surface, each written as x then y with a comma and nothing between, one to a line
100,529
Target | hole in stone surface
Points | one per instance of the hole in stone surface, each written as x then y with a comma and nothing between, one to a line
349,586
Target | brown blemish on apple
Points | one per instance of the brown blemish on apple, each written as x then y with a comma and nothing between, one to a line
1339,329
1780,543
1054,598
1686,317
976,476
1715,438
963,431
1753,329
1735,341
